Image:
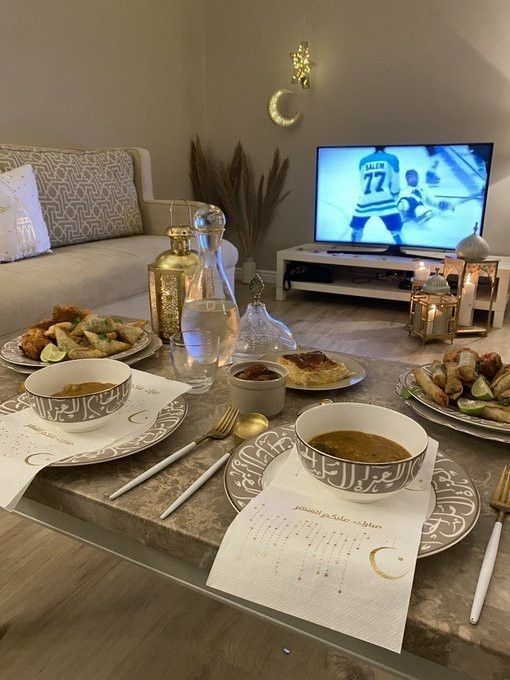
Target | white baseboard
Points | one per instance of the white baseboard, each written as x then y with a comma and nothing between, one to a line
269,275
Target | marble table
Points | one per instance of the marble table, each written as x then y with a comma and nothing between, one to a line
439,640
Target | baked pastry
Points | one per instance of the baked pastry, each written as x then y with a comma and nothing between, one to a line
312,369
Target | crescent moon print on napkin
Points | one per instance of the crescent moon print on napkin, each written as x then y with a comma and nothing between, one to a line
42,459
138,418
387,563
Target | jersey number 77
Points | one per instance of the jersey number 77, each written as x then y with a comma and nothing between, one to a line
374,177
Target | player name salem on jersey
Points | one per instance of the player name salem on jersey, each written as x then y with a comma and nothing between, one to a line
380,185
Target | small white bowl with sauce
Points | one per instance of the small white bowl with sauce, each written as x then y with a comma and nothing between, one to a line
80,412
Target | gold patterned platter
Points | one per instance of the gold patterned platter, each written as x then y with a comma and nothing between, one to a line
167,421
12,354
454,505
416,392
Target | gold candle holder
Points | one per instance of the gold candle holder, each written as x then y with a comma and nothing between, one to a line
468,273
169,278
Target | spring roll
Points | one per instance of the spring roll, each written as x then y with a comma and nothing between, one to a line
439,374
454,386
466,369
429,387
501,384
497,412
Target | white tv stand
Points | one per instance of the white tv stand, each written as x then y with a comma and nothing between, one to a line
351,266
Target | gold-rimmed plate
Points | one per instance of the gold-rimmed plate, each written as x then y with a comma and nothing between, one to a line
167,421
454,505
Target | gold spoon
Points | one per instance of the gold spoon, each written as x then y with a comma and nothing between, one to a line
249,425
246,426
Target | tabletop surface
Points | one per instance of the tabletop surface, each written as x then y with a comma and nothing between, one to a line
438,625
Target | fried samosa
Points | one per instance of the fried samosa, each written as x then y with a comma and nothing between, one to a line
129,333
430,388
86,353
105,344
65,325
64,341
96,324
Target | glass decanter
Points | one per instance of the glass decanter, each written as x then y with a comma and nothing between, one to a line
259,333
210,304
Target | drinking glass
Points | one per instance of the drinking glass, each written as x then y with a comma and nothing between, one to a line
195,358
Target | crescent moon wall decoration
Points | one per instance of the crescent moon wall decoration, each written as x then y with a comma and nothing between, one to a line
273,110
377,568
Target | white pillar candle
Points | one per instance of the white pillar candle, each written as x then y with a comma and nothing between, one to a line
421,273
430,319
467,303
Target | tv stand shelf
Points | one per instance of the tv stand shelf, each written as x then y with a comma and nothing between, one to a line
349,267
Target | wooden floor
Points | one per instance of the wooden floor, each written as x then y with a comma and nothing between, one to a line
70,612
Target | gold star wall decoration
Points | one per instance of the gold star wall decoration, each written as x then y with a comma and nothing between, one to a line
302,65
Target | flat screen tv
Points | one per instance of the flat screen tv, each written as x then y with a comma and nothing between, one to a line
409,196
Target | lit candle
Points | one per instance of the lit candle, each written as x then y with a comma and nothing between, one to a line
467,302
421,273
430,319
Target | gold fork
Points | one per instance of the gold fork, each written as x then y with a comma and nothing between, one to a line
500,501
221,430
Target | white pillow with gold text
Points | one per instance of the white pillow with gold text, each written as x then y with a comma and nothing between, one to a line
23,231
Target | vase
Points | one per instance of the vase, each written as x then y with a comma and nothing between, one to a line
248,270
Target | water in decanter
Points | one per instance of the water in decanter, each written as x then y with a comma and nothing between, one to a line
220,317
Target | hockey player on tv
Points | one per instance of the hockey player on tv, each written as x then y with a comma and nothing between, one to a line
379,175
416,202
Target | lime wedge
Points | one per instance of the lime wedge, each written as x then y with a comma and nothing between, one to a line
51,354
471,407
481,390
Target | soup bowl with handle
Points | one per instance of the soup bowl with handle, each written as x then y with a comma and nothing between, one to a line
358,481
84,412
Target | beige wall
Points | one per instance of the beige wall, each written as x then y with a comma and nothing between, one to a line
387,71
105,73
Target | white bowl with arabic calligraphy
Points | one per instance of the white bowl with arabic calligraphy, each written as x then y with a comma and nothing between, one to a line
356,481
81,413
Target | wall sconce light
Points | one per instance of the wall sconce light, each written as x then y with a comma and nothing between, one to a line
302,65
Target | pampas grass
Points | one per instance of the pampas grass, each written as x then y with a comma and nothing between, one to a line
248,204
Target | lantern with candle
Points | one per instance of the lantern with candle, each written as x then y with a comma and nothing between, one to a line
169,278
468,273
433,310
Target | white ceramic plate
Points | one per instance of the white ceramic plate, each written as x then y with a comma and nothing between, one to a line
451,517
12,354
417,393
168,420
357,370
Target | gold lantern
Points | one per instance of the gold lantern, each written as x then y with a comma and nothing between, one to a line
169,278
468,274
433,310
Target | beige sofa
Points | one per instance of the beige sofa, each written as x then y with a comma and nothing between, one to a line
107,274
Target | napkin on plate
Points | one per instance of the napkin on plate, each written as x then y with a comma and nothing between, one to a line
30,443
300,549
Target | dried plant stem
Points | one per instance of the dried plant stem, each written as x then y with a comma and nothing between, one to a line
249,206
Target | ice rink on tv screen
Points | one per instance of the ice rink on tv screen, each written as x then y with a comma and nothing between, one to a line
459,181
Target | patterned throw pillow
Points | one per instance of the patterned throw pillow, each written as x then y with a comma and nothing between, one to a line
23,232
86,195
